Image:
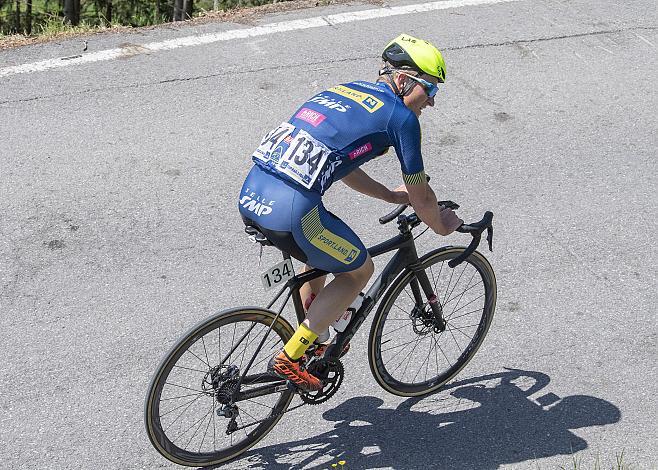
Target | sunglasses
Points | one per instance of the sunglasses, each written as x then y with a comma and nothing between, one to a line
430,88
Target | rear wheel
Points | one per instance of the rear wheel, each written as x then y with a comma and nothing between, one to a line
187,416
408,354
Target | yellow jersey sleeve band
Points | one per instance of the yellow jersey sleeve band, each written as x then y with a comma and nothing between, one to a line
416,178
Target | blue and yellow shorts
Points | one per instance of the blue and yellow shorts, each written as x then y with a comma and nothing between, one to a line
295,221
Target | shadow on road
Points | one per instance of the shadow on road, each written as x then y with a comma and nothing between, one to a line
482,422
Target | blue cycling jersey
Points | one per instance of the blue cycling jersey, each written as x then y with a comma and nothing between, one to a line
339,130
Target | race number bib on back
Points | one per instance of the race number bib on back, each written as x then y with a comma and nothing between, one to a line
303,158
272,140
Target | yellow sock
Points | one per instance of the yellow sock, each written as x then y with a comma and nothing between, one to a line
299,342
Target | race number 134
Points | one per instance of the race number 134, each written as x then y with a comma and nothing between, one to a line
277,274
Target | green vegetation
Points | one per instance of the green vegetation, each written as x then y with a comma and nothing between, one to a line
49,17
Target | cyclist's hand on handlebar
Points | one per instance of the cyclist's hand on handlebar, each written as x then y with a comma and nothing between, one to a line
449,219
399,195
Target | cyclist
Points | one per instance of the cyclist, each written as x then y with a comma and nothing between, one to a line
328,139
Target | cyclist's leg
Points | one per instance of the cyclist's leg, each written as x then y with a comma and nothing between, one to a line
332,246
311,289
336,296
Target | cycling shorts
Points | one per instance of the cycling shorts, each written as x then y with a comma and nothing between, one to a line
295,221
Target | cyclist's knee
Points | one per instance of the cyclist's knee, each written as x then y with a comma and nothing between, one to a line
364,272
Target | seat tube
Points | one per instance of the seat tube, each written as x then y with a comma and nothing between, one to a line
296,299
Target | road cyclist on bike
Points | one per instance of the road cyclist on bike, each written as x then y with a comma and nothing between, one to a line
328,139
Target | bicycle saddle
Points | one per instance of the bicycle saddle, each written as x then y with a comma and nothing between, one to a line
256,235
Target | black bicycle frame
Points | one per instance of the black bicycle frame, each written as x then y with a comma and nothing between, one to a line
405,258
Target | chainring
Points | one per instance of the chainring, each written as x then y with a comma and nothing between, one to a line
331,372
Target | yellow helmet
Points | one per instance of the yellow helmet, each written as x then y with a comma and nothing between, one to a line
417,54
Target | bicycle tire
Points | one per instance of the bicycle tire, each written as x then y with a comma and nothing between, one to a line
158,431
384,373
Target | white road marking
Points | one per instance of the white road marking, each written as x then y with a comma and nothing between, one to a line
607,50
645,40
294,25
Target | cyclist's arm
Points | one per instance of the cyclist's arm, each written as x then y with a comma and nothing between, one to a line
443,221
405,135
359,181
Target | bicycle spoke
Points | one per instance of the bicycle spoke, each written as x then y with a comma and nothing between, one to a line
421,367
186,431
427,361
248,414
244,430
409,295
463,293
444,354
464,314
199,427
181,414
212,410
465,290
258,403
465,305
162,415
455,339
459,329
183,396
408,354
245,350
205,351
189,368
403,311
397,329
436,354
458,279
452,272
399,345
186,388
189,351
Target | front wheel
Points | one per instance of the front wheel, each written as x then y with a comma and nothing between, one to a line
190,417
409,353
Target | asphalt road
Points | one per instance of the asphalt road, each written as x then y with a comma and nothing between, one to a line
119,230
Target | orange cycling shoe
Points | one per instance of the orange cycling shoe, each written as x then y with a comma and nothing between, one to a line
282,366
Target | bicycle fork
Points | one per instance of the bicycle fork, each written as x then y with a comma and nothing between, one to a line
421,281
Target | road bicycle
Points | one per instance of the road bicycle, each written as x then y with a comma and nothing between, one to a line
212,398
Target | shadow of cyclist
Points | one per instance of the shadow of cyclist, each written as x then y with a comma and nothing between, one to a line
482,422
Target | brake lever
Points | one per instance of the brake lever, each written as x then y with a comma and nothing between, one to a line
490,237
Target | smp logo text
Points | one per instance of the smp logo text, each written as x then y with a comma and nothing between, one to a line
256,204
330,103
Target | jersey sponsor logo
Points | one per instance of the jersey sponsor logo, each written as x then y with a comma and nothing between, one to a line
312,117
366,100
256,203
357,152
370,86
331,167
335,246
330,103
330,243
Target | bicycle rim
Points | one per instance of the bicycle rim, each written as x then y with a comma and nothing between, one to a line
181,406
407,357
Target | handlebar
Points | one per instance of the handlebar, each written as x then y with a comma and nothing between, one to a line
475,229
